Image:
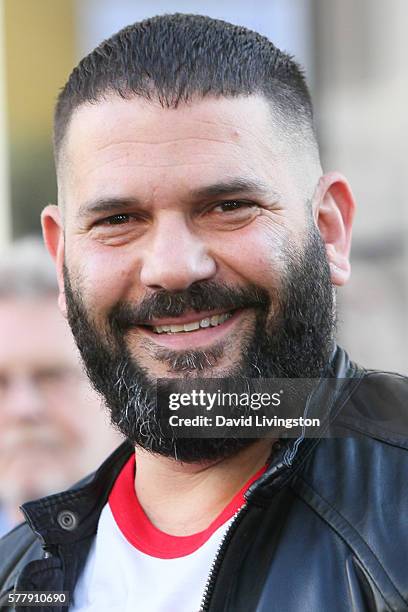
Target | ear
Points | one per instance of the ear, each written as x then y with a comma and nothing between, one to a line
53,232
334,212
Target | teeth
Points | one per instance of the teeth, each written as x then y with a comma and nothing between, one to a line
176,328
194,325
191,326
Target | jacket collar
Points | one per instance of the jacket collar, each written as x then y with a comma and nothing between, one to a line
340,380
72,515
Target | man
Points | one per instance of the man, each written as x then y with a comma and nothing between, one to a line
196,236
49,416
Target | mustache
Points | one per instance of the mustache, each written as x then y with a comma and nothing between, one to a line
206,295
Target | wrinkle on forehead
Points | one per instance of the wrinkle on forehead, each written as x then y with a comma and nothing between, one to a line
133,141
182,146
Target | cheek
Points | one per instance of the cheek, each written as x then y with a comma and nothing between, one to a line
105,276
255,256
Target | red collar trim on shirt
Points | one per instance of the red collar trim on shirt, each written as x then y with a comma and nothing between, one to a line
141,533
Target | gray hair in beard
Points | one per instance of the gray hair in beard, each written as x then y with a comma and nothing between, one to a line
295,343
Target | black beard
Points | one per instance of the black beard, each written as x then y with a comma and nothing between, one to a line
296,342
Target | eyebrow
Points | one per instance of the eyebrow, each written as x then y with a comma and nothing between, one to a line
237,185
224,188
106,205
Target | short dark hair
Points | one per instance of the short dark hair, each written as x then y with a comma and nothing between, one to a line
174,58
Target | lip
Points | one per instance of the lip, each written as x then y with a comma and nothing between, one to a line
186,318
194,339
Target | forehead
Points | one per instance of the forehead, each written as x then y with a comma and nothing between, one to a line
214,119
120,143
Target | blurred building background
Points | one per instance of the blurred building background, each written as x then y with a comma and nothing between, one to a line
354,54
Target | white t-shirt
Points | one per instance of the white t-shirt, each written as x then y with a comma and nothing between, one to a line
132,565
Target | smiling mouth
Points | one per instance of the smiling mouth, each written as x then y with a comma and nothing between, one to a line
192,330
212,321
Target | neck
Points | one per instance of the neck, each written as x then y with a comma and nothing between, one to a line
182,499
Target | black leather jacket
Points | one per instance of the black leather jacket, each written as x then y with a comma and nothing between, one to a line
326,531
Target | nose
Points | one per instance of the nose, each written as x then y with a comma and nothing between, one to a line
176,256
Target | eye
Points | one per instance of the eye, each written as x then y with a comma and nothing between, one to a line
116,219
229,215
233,205
120,227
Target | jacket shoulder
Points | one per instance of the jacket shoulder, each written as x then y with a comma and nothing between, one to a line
378,408
17,548
356,482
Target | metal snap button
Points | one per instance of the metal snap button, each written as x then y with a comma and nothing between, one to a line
67,520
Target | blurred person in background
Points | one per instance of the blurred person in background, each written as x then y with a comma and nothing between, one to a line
52,428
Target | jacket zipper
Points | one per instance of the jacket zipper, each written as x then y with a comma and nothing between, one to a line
219,555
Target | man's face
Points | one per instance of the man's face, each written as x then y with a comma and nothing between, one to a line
48,414
188,242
